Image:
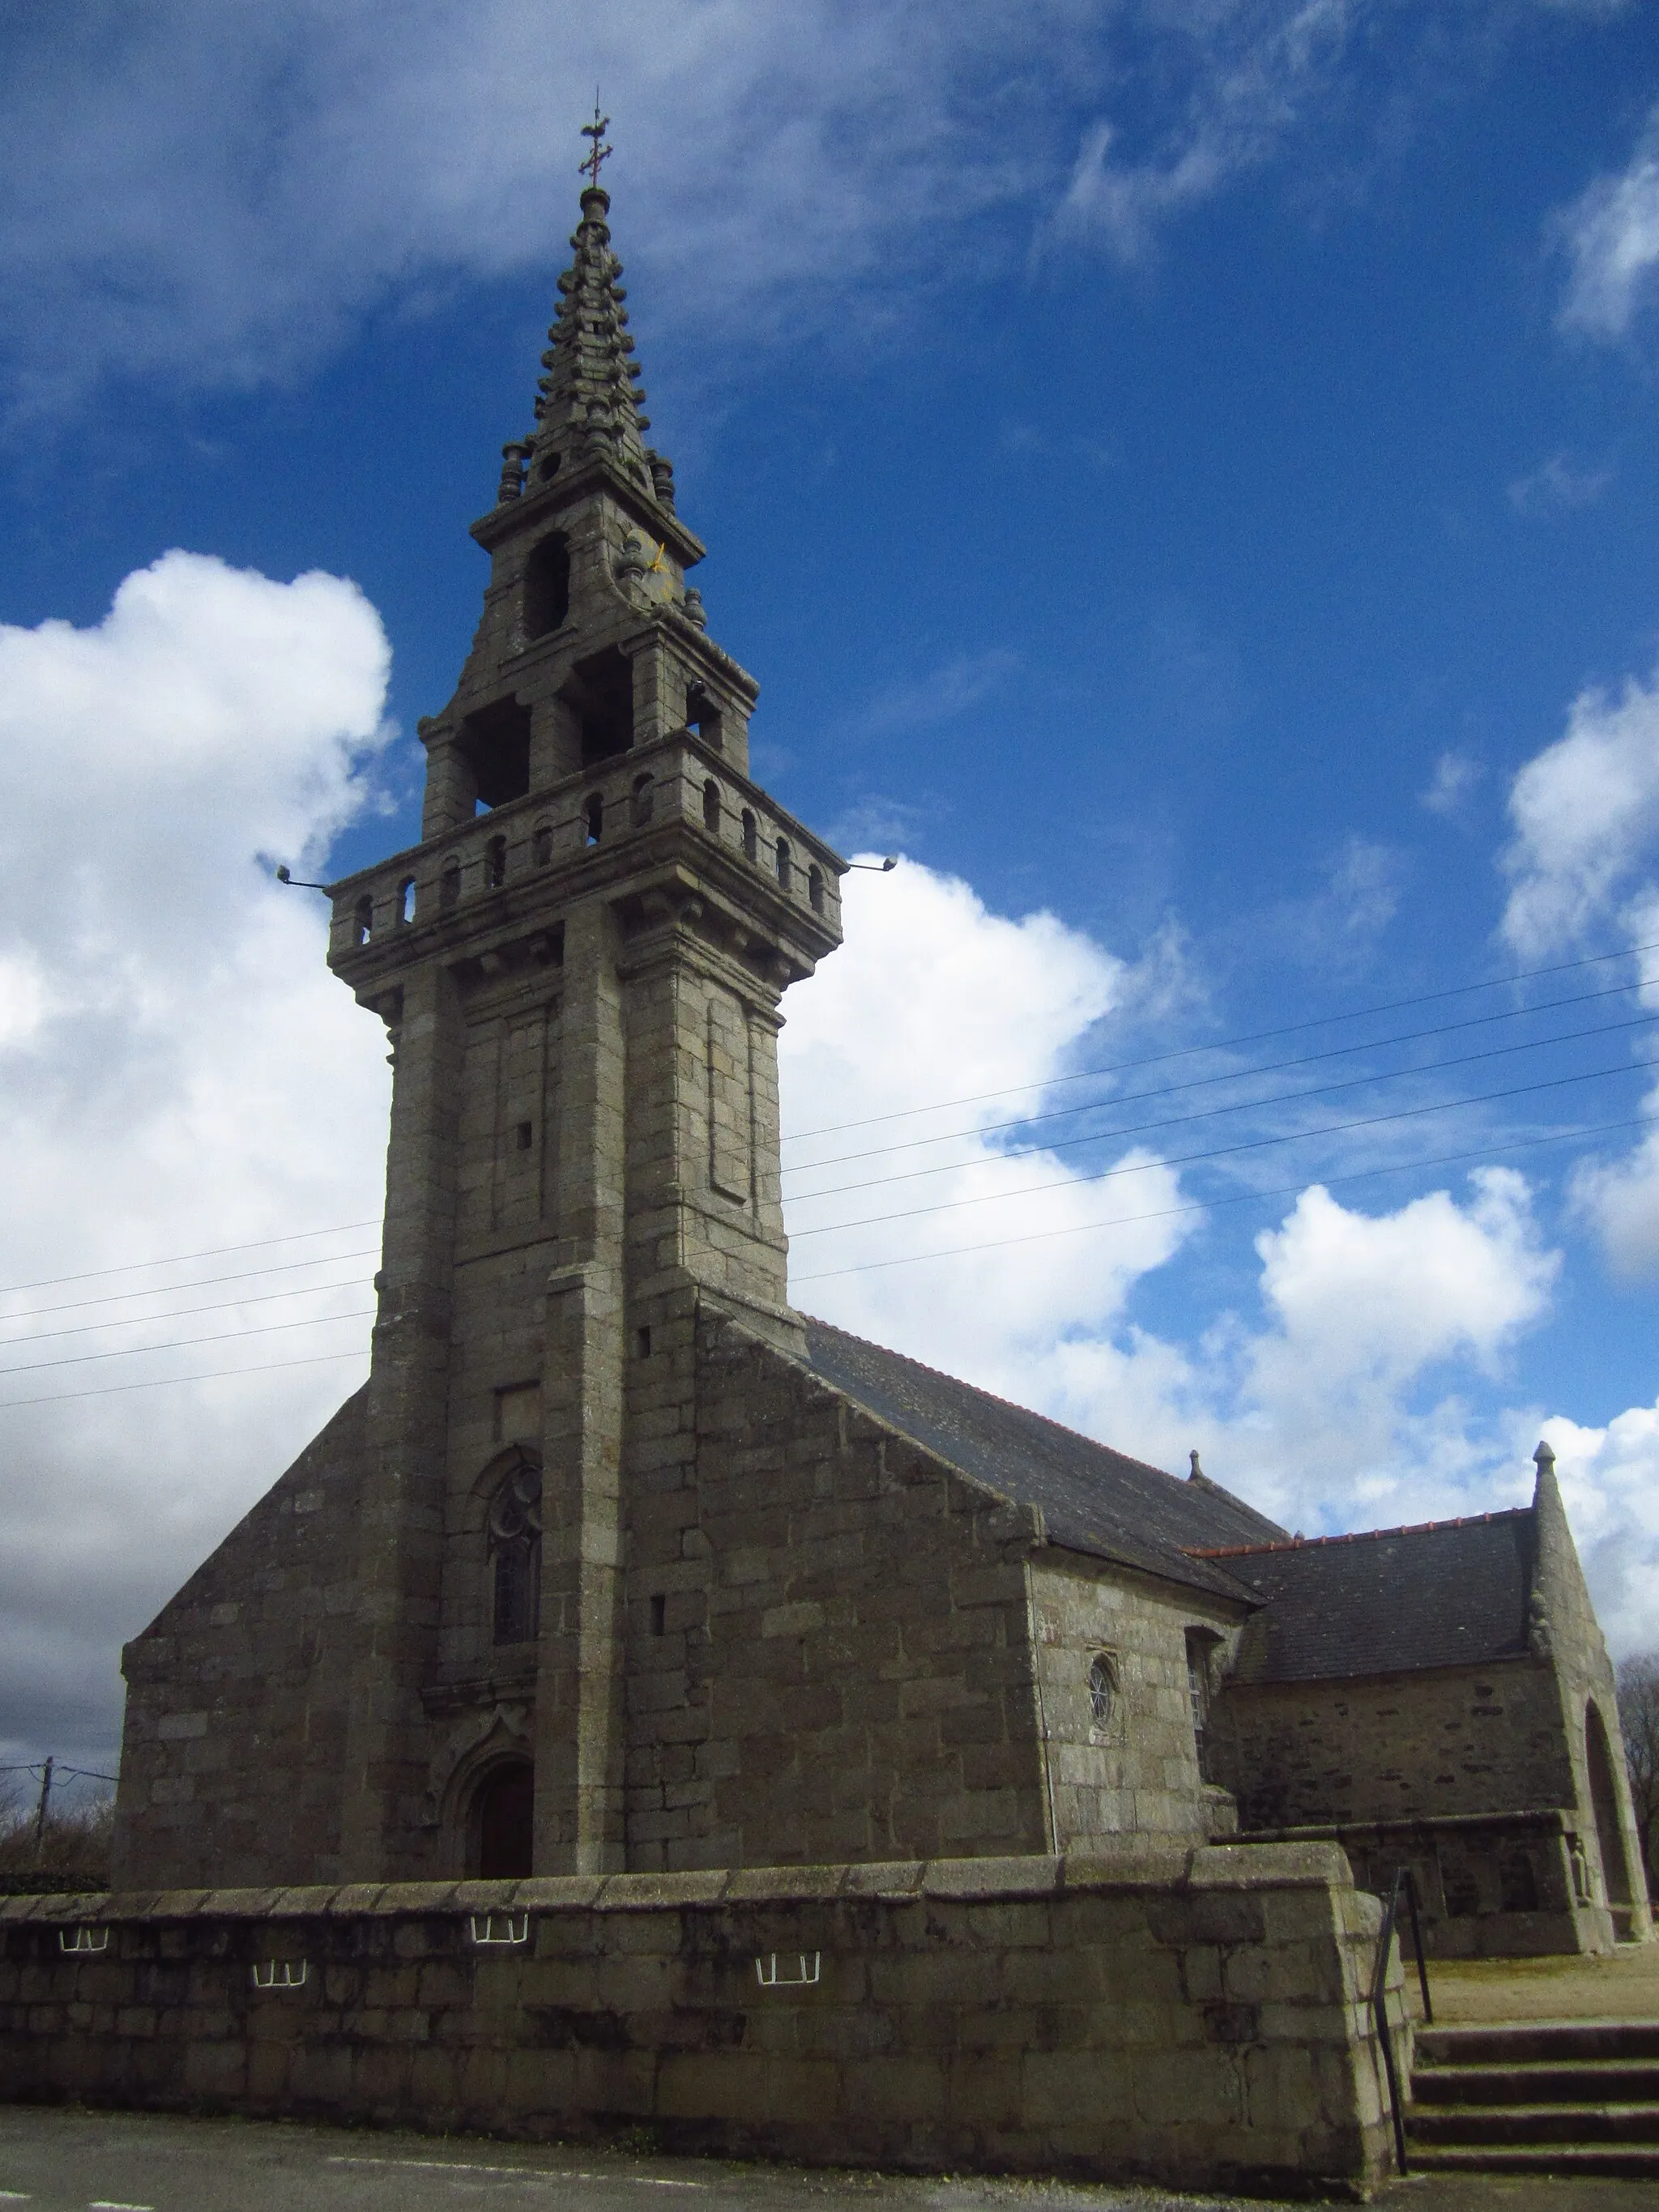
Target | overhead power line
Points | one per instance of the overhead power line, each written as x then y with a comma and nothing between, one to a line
190,1283
1227,1044
1242,1106
179,1313
1225,1151
1230,1198
183,1343
1222,1075
178,1259
167,1382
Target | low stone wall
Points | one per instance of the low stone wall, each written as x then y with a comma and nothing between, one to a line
1193,2016
1491,1886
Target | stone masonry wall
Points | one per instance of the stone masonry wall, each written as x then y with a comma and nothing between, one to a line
1451,1740
829,1652
1198,2017
236,1692
1135,1770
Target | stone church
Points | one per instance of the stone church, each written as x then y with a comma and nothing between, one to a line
617,1561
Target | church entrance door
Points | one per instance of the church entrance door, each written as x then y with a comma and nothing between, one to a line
503,1823
1609,1829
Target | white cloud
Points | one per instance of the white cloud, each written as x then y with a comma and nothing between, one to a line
1611,236
1585,813
219,194
932,998
1555,484
1619,1199
1609,1480
180,1074
939,696
1251,78
1375,1382
1455,775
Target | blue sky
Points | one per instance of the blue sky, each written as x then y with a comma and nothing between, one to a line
1187,473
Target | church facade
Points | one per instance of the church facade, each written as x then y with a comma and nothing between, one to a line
617,1562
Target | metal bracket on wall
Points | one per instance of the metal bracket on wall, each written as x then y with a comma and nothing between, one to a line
83,1938
769,1977
500,1927
281,1974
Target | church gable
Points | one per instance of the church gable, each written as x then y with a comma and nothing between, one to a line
233,1746
831,1648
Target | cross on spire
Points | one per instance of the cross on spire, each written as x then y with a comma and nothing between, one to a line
600,152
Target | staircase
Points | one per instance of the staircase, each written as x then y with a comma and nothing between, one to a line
1570,2097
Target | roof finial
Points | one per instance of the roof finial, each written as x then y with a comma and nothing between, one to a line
600,152
1198,1473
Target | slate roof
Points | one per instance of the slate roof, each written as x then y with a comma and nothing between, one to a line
1444,1593
1094,1500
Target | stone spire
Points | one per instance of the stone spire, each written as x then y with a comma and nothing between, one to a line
589,407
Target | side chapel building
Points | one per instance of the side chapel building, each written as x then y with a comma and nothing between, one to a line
617,1561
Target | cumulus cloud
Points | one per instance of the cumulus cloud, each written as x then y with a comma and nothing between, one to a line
1585,816
1619,1199
932,997
180,1075
1372,1379
1609,1480
1610,234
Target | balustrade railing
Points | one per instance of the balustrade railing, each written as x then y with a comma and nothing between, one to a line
637,792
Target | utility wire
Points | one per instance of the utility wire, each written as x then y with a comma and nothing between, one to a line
197,1283
180,1312
182,1343
165,1382
1242,1106
1080,1075
1227,1044
177,1259
1225,1151
1224,1075
1233,1198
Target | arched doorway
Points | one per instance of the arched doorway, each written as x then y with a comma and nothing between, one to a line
1609,1828
501,1826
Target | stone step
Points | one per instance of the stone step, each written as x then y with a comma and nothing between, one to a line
1533,2126
1518,2043
1614,2162
1540,2082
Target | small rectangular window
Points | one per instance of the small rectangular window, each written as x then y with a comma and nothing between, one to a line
525,1134
645,1343
658,1615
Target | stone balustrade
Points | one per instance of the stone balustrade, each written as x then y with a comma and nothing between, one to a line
677,781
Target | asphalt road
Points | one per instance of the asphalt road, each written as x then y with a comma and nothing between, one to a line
78,2162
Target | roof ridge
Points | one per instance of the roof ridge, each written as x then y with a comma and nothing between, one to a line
1014,1405
1355,1535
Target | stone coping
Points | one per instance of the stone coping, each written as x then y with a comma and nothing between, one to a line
1133,1866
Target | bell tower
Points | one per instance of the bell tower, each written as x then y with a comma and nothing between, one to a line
580,968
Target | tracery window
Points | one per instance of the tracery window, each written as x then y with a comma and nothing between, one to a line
516,1554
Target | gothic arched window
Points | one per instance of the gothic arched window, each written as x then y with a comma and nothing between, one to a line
516,1554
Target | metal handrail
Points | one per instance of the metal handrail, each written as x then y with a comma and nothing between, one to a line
1403,1879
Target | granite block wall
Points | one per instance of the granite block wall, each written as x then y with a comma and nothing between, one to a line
1197,2016
829,1651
